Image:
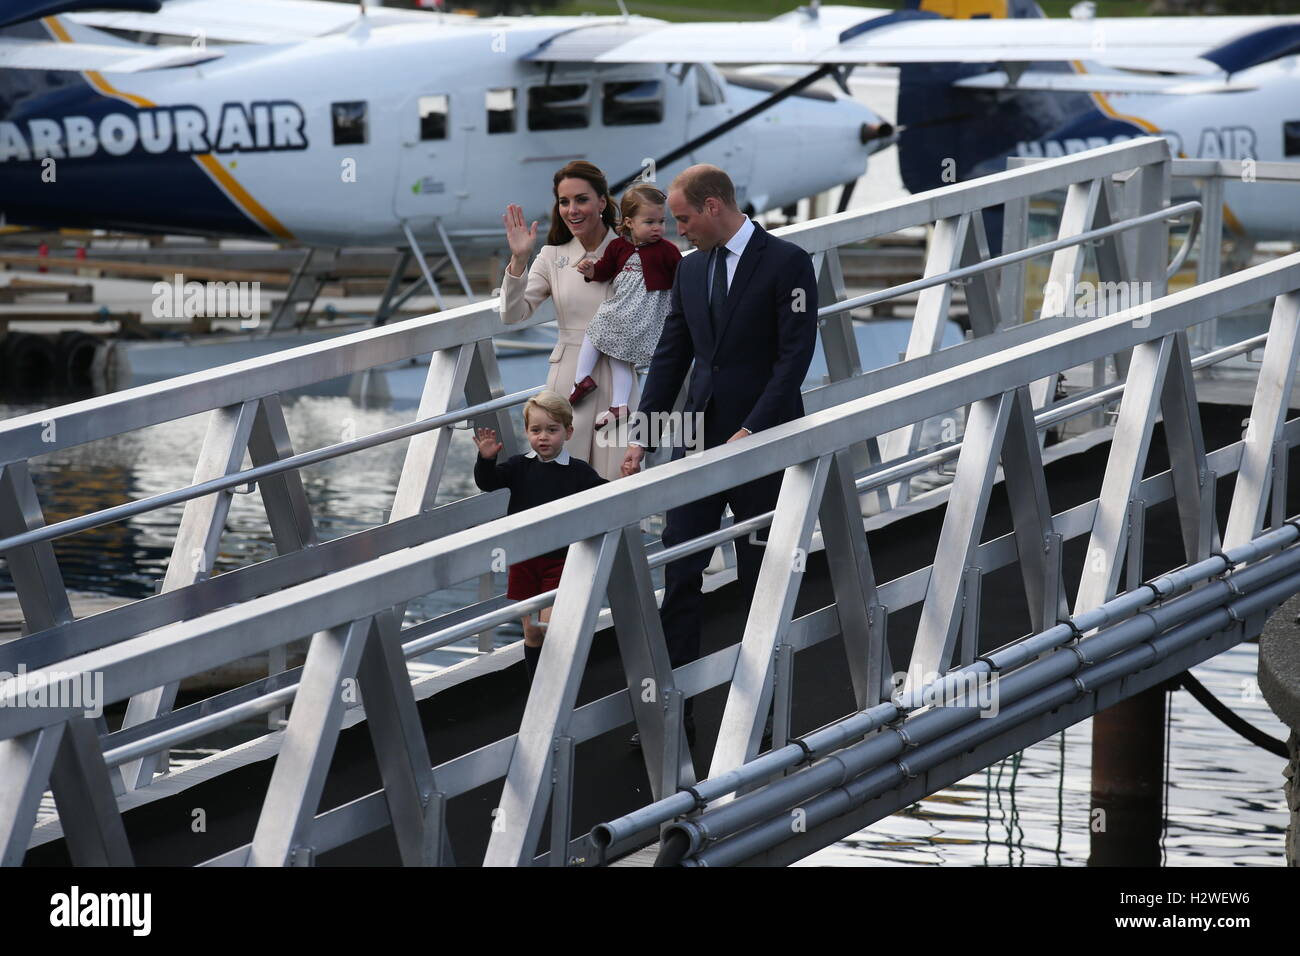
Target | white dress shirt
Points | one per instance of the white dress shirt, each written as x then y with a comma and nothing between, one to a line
561,459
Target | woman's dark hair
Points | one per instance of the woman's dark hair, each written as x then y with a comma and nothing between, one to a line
636,196
578,169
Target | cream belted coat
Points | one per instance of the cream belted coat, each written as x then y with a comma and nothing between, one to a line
552,273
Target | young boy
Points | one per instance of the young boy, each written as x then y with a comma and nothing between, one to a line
545,474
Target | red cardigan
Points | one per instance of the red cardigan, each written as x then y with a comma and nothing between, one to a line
658,262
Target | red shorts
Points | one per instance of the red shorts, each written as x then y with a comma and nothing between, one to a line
533,577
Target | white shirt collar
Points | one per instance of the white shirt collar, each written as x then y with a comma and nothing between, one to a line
561,459
737,243
577,250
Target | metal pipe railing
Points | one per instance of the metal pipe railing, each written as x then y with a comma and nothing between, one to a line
1008,259
463,316
163,652
1061,679
155,742
317,455
1112,613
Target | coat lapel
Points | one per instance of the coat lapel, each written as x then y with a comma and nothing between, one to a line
744,270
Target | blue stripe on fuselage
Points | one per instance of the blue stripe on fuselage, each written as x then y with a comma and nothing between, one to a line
162,192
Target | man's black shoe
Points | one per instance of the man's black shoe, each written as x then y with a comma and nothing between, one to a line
690,734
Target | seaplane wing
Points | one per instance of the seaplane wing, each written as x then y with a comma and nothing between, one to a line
18,54
246,21
1168,44
1103,83
810,36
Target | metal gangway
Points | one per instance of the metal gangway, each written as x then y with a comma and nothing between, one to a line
859,444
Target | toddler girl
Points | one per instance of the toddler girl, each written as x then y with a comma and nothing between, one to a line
627,325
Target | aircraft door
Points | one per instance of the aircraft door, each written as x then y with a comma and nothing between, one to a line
431,156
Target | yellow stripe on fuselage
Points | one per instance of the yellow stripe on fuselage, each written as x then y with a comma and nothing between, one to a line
1103,104
966,9
1229,218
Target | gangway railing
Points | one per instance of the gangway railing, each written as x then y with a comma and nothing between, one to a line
357,636
1213,182
245,403
233,707
460,341
1002,702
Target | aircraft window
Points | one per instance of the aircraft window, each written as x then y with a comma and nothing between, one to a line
349,122
1291,138
433,116
558,107
709,93
631,103
501,110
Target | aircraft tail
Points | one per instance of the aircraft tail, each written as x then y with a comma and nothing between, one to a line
950,134
18,85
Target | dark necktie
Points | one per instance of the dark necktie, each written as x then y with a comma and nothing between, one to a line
718,290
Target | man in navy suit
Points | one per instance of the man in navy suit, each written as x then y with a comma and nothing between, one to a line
744,308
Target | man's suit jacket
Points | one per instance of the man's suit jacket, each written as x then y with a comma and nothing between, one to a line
749,376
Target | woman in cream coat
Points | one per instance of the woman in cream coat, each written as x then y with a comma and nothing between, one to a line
582,221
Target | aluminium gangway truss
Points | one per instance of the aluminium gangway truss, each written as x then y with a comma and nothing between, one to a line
859,444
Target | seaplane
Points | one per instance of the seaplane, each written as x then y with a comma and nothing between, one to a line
333,124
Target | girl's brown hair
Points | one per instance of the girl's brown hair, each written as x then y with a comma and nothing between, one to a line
641,194
578,169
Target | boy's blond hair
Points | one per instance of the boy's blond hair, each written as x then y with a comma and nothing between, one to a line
553,404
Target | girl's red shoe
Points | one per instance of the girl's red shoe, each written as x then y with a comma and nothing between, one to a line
582,390
616,413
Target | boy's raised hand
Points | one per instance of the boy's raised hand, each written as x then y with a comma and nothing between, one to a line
486,440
